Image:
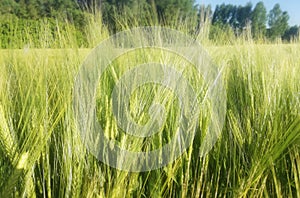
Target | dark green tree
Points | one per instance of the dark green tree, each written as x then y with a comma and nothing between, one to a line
243,15
225,14
278,22
230,15
120,13
259,20
115,12
171,9
292,33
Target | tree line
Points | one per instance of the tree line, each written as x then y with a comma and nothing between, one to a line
228,18
240,17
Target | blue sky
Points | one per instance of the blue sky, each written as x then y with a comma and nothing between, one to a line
291,6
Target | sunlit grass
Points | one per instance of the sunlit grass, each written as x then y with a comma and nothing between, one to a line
257,155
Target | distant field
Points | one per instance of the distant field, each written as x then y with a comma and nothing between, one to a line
257,155
229,50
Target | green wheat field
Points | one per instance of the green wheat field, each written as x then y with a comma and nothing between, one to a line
42,154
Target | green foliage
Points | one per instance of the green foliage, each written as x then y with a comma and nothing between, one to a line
41,33
167,9
224,14
236,17
292,33
240,17
124,14
243,15
259,19
115,14
8,6
278,22
119,15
